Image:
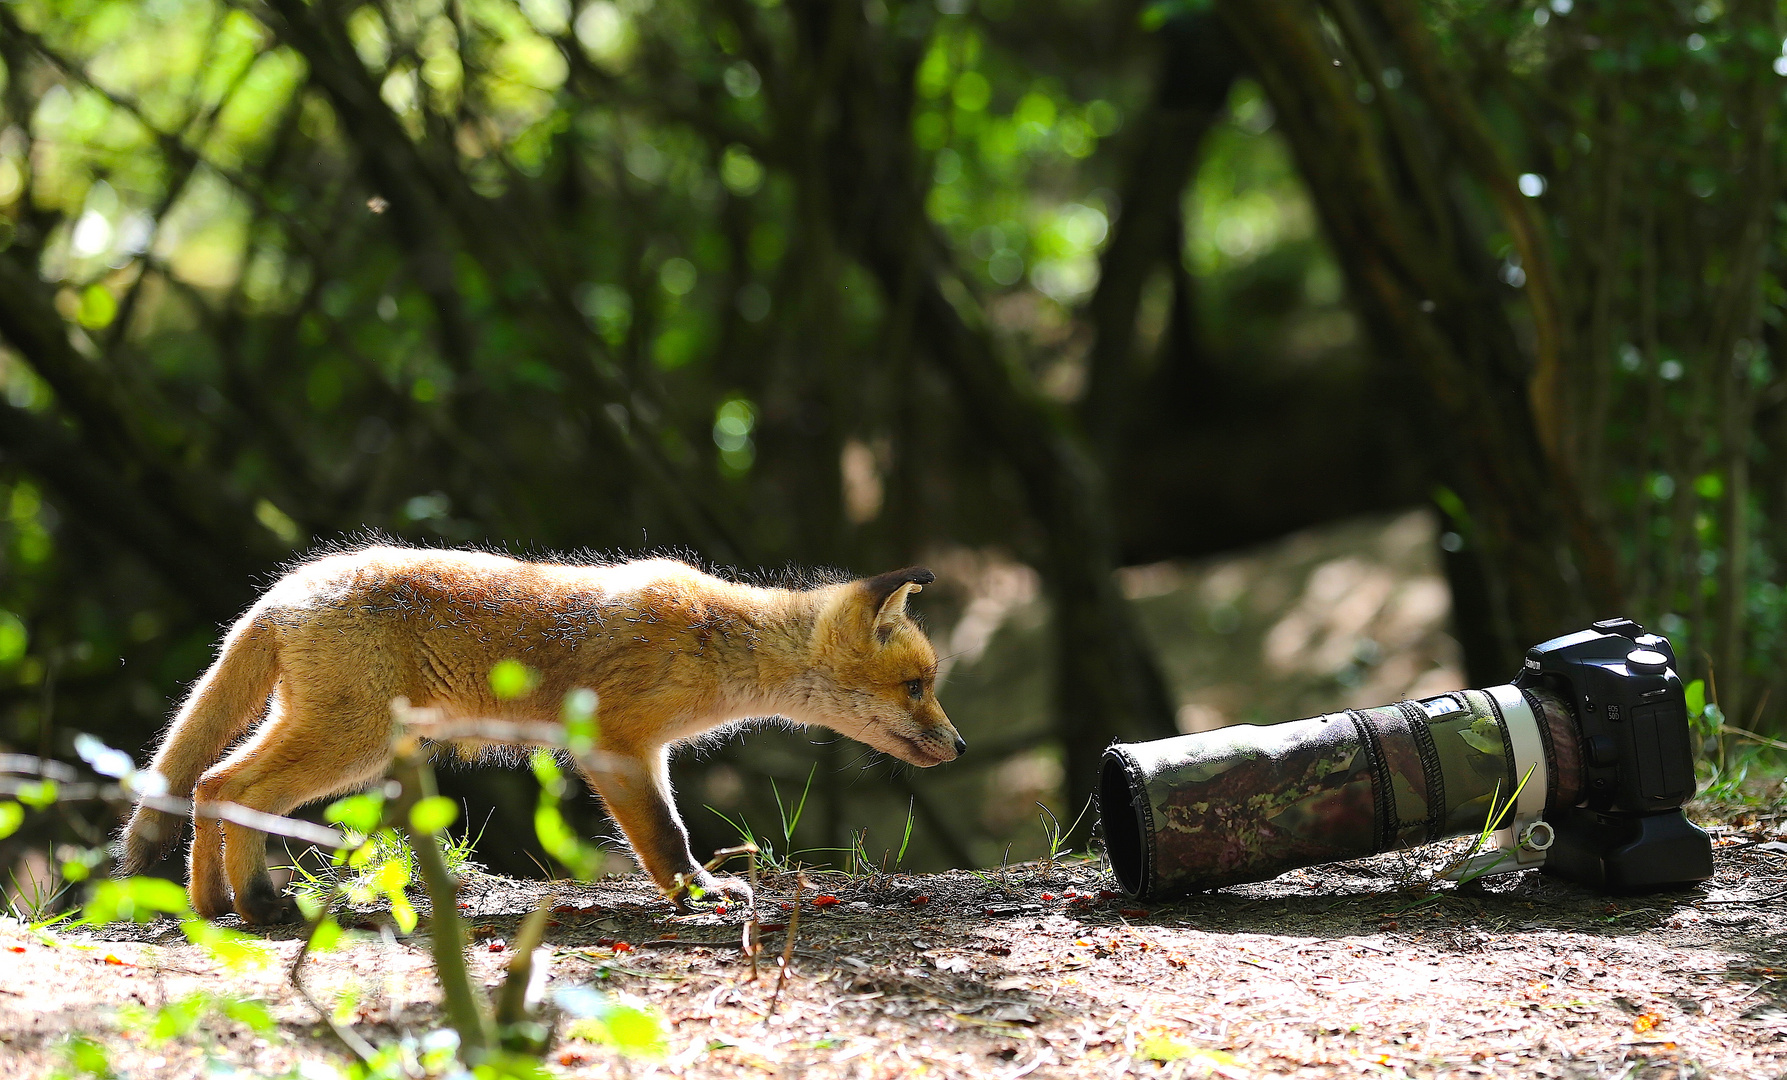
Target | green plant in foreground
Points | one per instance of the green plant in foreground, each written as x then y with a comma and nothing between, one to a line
33,900
783,860
1496,818
394,835
382,861
1056,835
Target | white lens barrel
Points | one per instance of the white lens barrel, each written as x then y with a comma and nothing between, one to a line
1530,777
1529,749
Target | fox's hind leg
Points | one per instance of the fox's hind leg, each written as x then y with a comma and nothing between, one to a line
204,867
303,752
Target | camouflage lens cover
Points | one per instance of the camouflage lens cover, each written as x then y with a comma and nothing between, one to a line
1247,803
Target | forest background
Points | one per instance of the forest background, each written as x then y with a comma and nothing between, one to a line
1032,292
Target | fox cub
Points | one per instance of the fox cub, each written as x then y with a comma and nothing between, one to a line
670,651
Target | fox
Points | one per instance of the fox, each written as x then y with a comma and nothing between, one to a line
671,652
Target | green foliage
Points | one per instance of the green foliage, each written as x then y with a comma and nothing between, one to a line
578,715
512,679
433,814
1056,836
635,1031
181,1017
143,899
84,1056
906,834
380,865
561,841
136,899
791,820
360,813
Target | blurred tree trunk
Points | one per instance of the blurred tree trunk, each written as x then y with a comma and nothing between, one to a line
1198,66
1107,683
1386,180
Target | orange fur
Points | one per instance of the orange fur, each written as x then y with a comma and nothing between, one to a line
670,651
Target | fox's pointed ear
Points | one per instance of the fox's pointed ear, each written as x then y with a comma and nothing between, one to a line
888,594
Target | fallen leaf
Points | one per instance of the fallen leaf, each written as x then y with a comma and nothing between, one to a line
1645,1021
921,898
824,900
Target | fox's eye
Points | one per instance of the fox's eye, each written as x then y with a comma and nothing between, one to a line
915,687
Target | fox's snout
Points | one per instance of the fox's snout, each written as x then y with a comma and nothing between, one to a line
934,745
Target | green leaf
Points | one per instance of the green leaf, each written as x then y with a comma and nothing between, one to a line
179,1016
1158,14
37,794
327,935
361,813
579,717
86,1056
1163,1048
548,772
392,877
12,815
1715,716
403,912
1696,696
137,899
433,814
232,948
13,638
157,894
511,679
635,1032
98,308
250,1013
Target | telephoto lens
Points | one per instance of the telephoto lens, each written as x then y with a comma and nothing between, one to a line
1580,765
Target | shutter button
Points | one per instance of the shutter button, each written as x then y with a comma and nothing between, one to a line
1647,662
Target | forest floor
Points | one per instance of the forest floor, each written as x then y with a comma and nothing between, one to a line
1033,970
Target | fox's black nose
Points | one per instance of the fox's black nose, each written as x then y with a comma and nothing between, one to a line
961,746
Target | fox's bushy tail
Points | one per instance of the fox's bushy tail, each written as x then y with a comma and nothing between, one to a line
227,699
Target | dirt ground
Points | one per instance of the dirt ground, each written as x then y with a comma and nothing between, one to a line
1030,971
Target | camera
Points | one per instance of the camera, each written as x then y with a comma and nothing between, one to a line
1579,766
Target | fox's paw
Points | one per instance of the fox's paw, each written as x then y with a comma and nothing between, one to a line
265,905
703,885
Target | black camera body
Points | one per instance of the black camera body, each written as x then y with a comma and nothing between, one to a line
1629,833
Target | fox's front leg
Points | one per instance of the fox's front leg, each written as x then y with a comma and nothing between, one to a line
637,792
